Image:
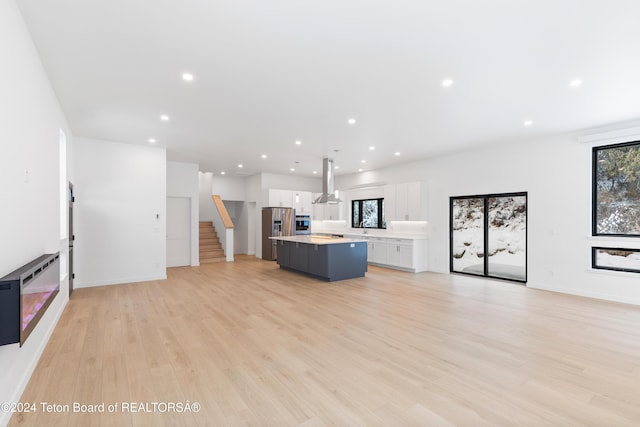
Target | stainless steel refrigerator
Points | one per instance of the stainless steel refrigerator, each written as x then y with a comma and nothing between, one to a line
276,222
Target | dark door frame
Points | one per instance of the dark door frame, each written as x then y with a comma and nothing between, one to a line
72,237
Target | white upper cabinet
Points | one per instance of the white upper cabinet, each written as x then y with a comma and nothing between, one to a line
281,198
302,202
327,212
406,202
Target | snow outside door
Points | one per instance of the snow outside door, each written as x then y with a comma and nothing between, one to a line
178,231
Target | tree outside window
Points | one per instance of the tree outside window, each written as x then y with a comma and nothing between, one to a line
368,213
616,189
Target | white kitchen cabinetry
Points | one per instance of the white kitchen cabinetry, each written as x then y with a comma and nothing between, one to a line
327,212
333,212
302,202
401,254
377,250
406,202
280,198
389,203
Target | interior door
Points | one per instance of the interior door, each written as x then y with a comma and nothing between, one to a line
178,231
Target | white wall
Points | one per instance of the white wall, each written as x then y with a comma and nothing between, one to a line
183,181
238,214
556,172
205,186
30,219
253,188
120,227
229,188
290,182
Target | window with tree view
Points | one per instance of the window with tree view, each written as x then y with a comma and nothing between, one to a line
368,213
616,189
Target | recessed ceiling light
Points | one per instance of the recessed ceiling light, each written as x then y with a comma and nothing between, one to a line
363,161
575,83
527,122
240,166
336,167
372,148
315,172
188,77
222,173
264,156
447,82
360,170
152,140
164,118
298,142
397,153
292,169
351,121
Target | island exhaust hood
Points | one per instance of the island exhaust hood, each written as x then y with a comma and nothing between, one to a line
328,195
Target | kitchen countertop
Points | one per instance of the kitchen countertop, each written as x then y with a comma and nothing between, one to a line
362,236
317,240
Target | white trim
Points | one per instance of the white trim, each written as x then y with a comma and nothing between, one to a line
22,384
121,281
607,272
612,137
582,293
614,242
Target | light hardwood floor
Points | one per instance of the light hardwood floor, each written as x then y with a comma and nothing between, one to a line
255,345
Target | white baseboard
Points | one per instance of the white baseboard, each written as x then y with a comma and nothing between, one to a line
22,384
582,293
120,281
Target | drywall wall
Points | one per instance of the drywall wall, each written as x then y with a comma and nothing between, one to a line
29,173
206,208
229,188
183,181
556,173
290,182
120,227
238,214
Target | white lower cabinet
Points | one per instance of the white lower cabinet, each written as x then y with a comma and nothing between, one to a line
377,251
402,254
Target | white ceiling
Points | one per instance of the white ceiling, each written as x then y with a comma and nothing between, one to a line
268,73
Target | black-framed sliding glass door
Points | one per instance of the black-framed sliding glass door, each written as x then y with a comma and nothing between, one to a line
488,235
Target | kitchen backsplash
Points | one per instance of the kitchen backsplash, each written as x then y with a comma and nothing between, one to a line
409,228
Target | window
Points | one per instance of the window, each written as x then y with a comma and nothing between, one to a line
616,190
617,259
368,213
488,235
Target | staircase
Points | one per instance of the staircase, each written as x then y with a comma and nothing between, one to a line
210,247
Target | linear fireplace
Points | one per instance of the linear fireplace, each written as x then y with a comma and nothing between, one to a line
25,295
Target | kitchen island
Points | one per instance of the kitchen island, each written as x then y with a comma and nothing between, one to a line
324,257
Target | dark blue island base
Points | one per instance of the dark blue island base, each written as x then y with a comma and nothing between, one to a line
330,262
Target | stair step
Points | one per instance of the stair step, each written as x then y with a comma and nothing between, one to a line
207,246
210,245
208,235
211,253
209,240
212,260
